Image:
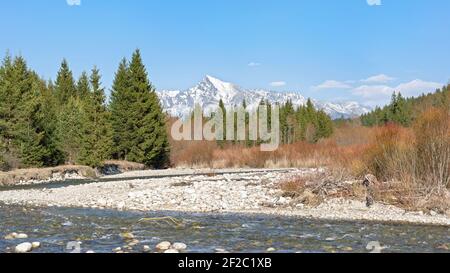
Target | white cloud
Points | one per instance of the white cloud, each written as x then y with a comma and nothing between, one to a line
416,87
374,2
253,64
412,88
278,84
330,84
373,91
73,2
382,78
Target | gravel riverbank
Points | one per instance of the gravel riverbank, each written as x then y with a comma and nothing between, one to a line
221,191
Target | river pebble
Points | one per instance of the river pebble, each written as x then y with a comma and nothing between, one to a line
23,248
10,236
146,248
21,236
179,246
127,236
163,246
35,245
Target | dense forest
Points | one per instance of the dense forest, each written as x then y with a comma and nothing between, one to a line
404,111
303,123
69,121
45,123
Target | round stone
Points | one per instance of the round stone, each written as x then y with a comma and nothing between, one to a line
163,245
35,245
24,248
21,236
179,246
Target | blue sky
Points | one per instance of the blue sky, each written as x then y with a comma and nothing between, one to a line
326,49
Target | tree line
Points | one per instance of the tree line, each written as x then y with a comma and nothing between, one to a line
404,111
68,121
46,123
303,123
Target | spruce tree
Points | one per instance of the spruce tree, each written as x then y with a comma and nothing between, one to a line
122,113
222,108
150,144
8,101
97,135
28,134
64,85
70,129
83,86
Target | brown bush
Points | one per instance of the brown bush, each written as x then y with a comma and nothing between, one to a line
391,154
432,131
192,153
414,163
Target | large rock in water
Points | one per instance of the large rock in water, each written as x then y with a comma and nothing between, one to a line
24,248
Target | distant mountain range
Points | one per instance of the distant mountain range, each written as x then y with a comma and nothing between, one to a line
210,90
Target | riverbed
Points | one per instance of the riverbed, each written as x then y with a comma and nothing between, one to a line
219,191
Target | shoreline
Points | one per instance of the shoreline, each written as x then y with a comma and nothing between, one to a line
248,193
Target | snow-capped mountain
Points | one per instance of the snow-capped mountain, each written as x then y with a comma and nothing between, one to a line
208,93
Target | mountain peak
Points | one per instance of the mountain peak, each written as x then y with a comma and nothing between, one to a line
219,85
211,90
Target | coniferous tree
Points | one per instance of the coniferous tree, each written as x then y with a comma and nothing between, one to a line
6,103
26,130
71,121
150,144
121,112
221,142
65,85
83,87
97,135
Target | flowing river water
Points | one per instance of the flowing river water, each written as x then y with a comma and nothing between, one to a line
60,229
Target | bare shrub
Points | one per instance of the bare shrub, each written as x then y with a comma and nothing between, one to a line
432,131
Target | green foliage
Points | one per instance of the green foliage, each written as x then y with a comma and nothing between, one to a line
46,124
83,89
24,113
96,140
70,129
64,85
121,121
135,105
305,123
405,111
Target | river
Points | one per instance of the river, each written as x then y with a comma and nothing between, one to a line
100,231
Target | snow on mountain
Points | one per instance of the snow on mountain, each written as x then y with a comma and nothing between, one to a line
210,90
